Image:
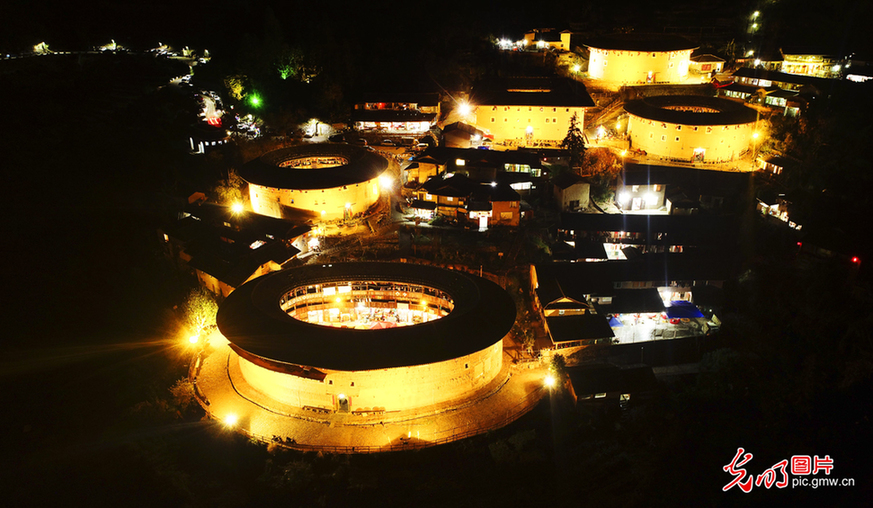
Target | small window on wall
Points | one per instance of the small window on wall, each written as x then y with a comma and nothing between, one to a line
604,63
541,110
663,137
505,120
492,119
547,120
555,119
653,55
651,135
466,365
635,188
353,383
677,138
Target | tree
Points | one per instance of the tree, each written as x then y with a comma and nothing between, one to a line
600,166
229,190
574,142
236,86
200,310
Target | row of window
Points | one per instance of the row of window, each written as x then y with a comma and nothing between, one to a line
518,120
530,108
664,137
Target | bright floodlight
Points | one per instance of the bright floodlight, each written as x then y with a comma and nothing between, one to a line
237,208
231,420
193,339
755,135
577,68
550,381
385,181
255,101
464,109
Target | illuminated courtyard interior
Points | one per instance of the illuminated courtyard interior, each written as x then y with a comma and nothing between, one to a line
366,305
314,162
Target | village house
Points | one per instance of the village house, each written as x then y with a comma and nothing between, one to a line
528,111
396,113
225,249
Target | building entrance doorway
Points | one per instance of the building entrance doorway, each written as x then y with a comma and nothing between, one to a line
343,403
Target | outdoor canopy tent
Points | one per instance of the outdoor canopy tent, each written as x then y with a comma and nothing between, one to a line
681,309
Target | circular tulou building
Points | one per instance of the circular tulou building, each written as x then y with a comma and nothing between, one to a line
327,180
691,128
639,58
369,336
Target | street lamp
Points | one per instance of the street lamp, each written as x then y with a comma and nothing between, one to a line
550,381
237,208
464,108
231,420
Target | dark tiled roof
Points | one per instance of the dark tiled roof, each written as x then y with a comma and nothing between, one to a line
423,205
363,165
691,180
677,229
252,320
641,42
655,108
551,92
783,77
577,280
706,58
578,327
472,156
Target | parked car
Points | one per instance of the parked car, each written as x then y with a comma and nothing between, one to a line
388,142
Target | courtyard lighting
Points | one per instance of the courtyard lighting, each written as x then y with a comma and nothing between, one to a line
464,108
193,339
623,198
386,182
550,381
237,208
577,68
231,420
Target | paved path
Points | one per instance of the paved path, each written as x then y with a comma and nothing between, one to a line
222,391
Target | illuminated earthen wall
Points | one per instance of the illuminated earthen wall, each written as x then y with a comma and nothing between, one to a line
359,196
547,123
663,139
634,66
391,389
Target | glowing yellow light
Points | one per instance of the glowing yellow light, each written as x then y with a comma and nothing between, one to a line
338,300
237,208
623,153
577,68
464,109
323,213
193,339
550,381
385,181
755,135
618,125
348,205
341,396
231,420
